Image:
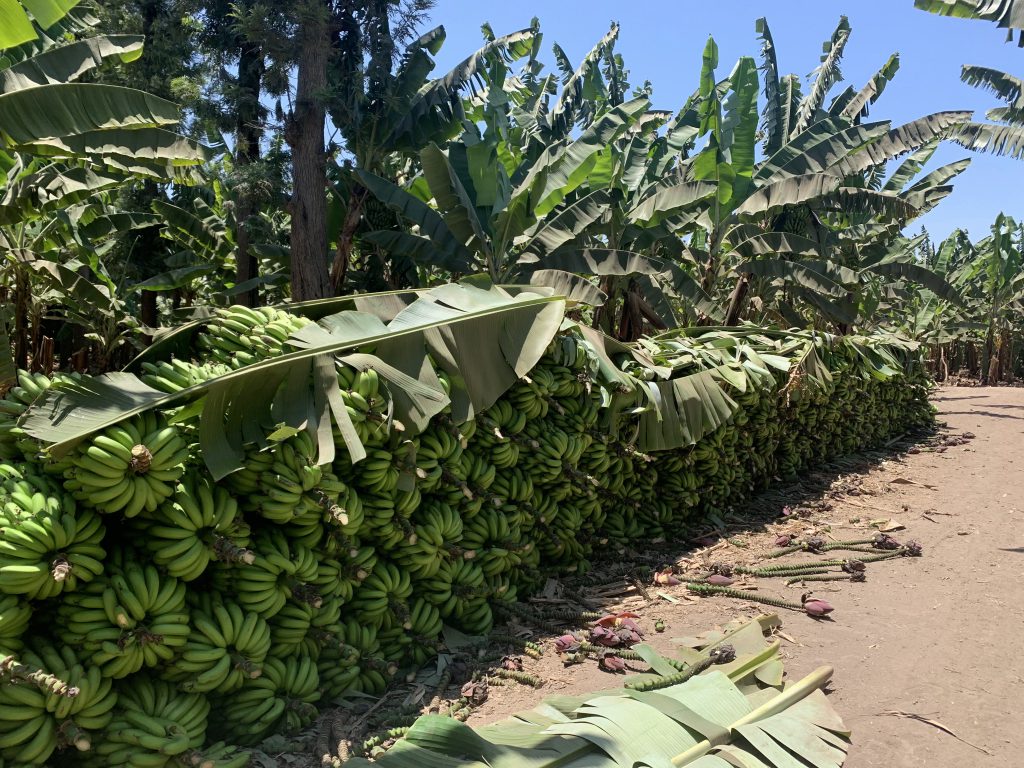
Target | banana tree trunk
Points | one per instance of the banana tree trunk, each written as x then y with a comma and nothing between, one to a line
737,300
986,356
346,238
604,316
305,134
21,304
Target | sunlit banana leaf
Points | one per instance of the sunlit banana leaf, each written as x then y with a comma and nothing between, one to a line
684,410
15,24
50,188
69,62
791,272
69,109
706,722
575,288
485,339
178,340
604,262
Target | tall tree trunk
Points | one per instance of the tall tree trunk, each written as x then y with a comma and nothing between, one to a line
248,134
309,162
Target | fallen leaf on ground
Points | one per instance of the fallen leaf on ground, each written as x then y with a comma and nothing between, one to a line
891,525
789,638
905,481
934,724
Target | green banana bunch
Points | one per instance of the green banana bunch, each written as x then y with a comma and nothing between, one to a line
14,617
154,725
395,641
279,572
426,625
46,547
238,336
289,627
528,397
459,591
284,484
15,444
129,467
437,529
36,720
218,755
344,567
323,628
513,485
282,700
200,523
497,543
331,507
502,451
225,647
175,375
505,417
343,511
343,646
381,522
363,400
131,617
386,590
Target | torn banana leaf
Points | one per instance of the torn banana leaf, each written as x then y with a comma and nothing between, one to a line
737,716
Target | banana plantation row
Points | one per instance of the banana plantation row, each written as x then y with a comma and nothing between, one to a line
177,554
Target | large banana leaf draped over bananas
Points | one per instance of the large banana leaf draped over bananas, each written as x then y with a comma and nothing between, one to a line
131,572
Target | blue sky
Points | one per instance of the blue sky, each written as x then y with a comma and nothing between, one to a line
662,41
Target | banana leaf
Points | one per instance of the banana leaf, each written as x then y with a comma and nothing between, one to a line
177,340
484,339
713,720
16,26
69,62
685,409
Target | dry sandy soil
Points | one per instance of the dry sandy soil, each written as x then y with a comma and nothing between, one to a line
937,637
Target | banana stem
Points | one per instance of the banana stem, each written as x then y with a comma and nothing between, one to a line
783,701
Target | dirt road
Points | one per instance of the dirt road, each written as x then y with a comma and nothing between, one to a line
938,637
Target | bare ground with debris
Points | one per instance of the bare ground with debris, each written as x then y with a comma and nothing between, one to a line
927,651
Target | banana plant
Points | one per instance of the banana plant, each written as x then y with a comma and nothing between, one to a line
817,208
53,262
45,111
492,202
85,138
204,234
1005,134
994,277
395,115
617,210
